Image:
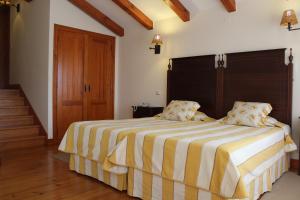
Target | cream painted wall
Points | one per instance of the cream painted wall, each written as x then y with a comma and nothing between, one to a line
29,53
32,38
62,12
255,26
140,73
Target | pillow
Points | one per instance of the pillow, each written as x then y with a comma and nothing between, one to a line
180,110
248,114
200,116
272,122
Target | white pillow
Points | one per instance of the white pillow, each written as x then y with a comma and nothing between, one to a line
272,122
248,114
200,116
180,110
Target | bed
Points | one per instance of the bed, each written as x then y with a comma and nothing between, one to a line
153,158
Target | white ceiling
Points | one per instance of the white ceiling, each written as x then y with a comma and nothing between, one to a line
155,9
158,10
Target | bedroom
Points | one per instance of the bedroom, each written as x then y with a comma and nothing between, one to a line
140,75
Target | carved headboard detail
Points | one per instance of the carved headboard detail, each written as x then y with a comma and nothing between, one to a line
260,76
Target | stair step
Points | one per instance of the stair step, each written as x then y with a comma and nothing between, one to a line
21,143
8,92
19,132
19,101
11,98
9,121
14,110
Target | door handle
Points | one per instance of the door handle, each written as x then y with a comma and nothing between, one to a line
89,88
84,87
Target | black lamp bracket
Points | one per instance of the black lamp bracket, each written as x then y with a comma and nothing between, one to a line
156,49
290,28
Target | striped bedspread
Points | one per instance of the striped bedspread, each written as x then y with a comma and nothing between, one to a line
206,155
94,140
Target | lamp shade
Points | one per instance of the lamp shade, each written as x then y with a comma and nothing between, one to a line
289,17
4,2
157,40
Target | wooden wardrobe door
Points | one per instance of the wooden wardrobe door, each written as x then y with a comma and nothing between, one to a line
4,46
99,77
70,69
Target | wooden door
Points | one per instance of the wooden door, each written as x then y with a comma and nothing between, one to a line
83,77
4,45
99,77
70,68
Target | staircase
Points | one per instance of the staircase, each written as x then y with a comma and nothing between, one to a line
18,125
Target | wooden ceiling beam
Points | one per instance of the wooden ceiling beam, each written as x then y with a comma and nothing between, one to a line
134,12
230,5
98,16
179,9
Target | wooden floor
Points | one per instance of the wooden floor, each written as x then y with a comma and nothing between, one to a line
36,174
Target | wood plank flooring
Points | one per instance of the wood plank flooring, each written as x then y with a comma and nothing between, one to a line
34,174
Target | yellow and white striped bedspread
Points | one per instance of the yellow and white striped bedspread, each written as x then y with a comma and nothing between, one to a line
207,155
212,156
94,140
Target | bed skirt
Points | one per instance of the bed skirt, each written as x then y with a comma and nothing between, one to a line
147,186
93,169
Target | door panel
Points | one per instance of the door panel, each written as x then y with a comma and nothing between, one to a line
83,77
100,77
4,46
70,62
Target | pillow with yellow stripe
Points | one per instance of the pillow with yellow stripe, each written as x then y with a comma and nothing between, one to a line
252,114
180,110
200,116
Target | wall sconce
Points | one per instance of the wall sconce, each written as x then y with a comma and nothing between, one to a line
8,3
17,6
289,19
157,41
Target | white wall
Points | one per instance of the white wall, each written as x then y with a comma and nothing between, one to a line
255,26
32,39
62,12
29,53
140,73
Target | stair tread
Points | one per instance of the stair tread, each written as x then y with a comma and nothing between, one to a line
11,90
19,127
17,98
11,97
23,138
12,103
18,130
15,117
8,93
11,107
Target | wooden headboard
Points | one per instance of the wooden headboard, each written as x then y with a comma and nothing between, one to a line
260,76
194,79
